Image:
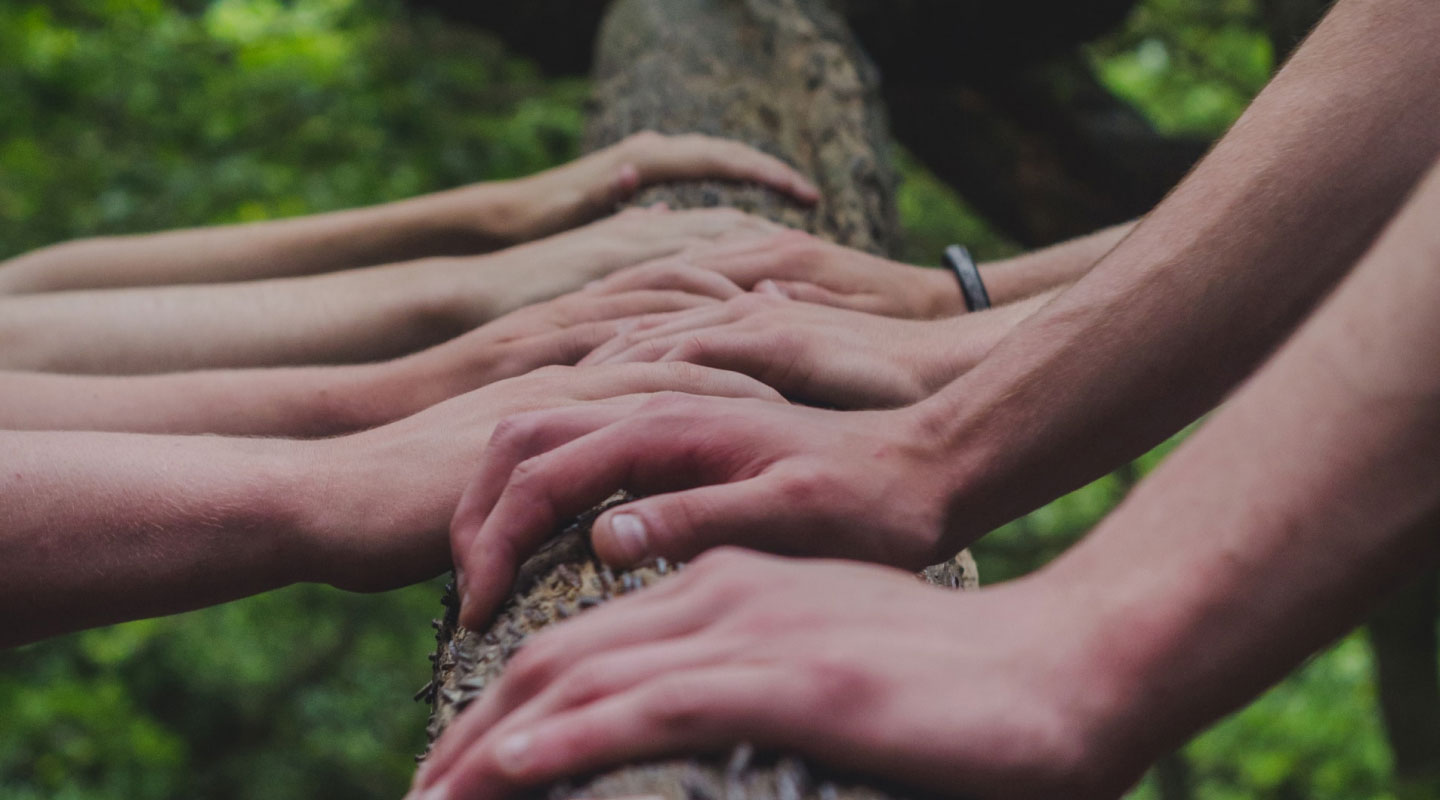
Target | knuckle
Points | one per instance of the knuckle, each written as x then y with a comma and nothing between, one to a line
672,705
835,681
512,432
689,353
803,489
528,474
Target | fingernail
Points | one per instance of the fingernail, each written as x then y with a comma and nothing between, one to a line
513,753
630,537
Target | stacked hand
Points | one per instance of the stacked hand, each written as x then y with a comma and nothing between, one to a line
996,694
474,289
802,267
869,485
382,500
556,332
594,185
817,354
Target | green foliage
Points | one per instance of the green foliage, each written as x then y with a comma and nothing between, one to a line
1190,66
131,115
134,115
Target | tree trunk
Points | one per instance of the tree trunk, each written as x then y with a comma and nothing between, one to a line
785,76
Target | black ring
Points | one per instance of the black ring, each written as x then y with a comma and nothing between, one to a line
972,287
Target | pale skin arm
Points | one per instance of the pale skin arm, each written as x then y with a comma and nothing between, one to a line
462,221
1299,505
103,527
354,316
328,400
1154,335
1208,283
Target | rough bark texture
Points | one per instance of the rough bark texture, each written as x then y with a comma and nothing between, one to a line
783,76
786,76
993,97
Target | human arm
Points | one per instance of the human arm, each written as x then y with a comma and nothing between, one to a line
345,317
1171,319
818,354
802,267
467,220
103,527
327,400
1270,532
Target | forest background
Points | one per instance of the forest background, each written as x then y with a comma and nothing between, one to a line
137,115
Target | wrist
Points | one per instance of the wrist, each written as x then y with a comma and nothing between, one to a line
1104,734
538,206
1156,642
367,518
941,292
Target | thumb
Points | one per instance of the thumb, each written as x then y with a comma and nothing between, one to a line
682,525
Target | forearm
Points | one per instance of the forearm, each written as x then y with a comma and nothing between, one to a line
1040,271
1207,284
1271,531
295,402
468,220
99,528
350,317
953,346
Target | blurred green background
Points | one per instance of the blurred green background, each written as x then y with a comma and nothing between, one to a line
135,115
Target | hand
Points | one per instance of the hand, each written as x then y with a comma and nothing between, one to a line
595,184
868,485
799,266
556,332
815,354
473,290
994,694
382,500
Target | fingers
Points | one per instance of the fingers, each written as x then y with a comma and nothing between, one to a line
681,525
607,381
657,159
485,567
691,710
661,327
811,293
669,274
629,332
617,305
620,643
541,470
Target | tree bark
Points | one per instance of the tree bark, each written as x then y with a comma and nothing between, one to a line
785,76
992,97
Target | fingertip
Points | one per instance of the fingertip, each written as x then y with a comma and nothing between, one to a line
807,191
627,180
770,287
621,538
